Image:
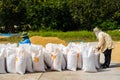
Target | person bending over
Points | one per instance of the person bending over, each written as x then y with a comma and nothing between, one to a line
25,39
105,45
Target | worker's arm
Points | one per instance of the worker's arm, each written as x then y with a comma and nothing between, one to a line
101,41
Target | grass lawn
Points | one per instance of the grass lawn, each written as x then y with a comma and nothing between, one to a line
76,36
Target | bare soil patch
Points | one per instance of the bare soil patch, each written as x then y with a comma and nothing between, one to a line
116,52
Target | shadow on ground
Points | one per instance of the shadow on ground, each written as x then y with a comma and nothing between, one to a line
115,65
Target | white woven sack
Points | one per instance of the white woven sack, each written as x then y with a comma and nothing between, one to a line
71,60
29,64
2,65
45,66
64,62
56,60
37,58
11,60
97,60
27,51
20,61
79,60
89,60
47,58
82,51
49,47
61,46
71,45
65,52
2,60
9,45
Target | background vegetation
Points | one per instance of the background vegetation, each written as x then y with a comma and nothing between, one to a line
60,15
70,36
70,20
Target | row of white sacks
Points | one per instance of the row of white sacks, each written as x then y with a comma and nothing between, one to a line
32,58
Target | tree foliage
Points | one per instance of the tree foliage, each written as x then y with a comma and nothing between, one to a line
63,15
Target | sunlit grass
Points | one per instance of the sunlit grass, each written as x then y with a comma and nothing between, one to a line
76,36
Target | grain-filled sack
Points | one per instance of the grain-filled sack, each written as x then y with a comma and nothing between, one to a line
20,61
11,60
56,57
89,60
47,58
37,58
27,51
71,60
97,59
2,60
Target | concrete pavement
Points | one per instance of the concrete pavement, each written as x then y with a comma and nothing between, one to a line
111,73
105,74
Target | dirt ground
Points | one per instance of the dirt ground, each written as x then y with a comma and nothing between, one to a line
116,53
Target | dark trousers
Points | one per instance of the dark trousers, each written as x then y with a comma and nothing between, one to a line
107,54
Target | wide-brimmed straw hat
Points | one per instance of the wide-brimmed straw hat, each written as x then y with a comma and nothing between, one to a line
24,34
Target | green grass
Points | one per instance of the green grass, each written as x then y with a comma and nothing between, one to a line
68,36
115,35
86,36
76,35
